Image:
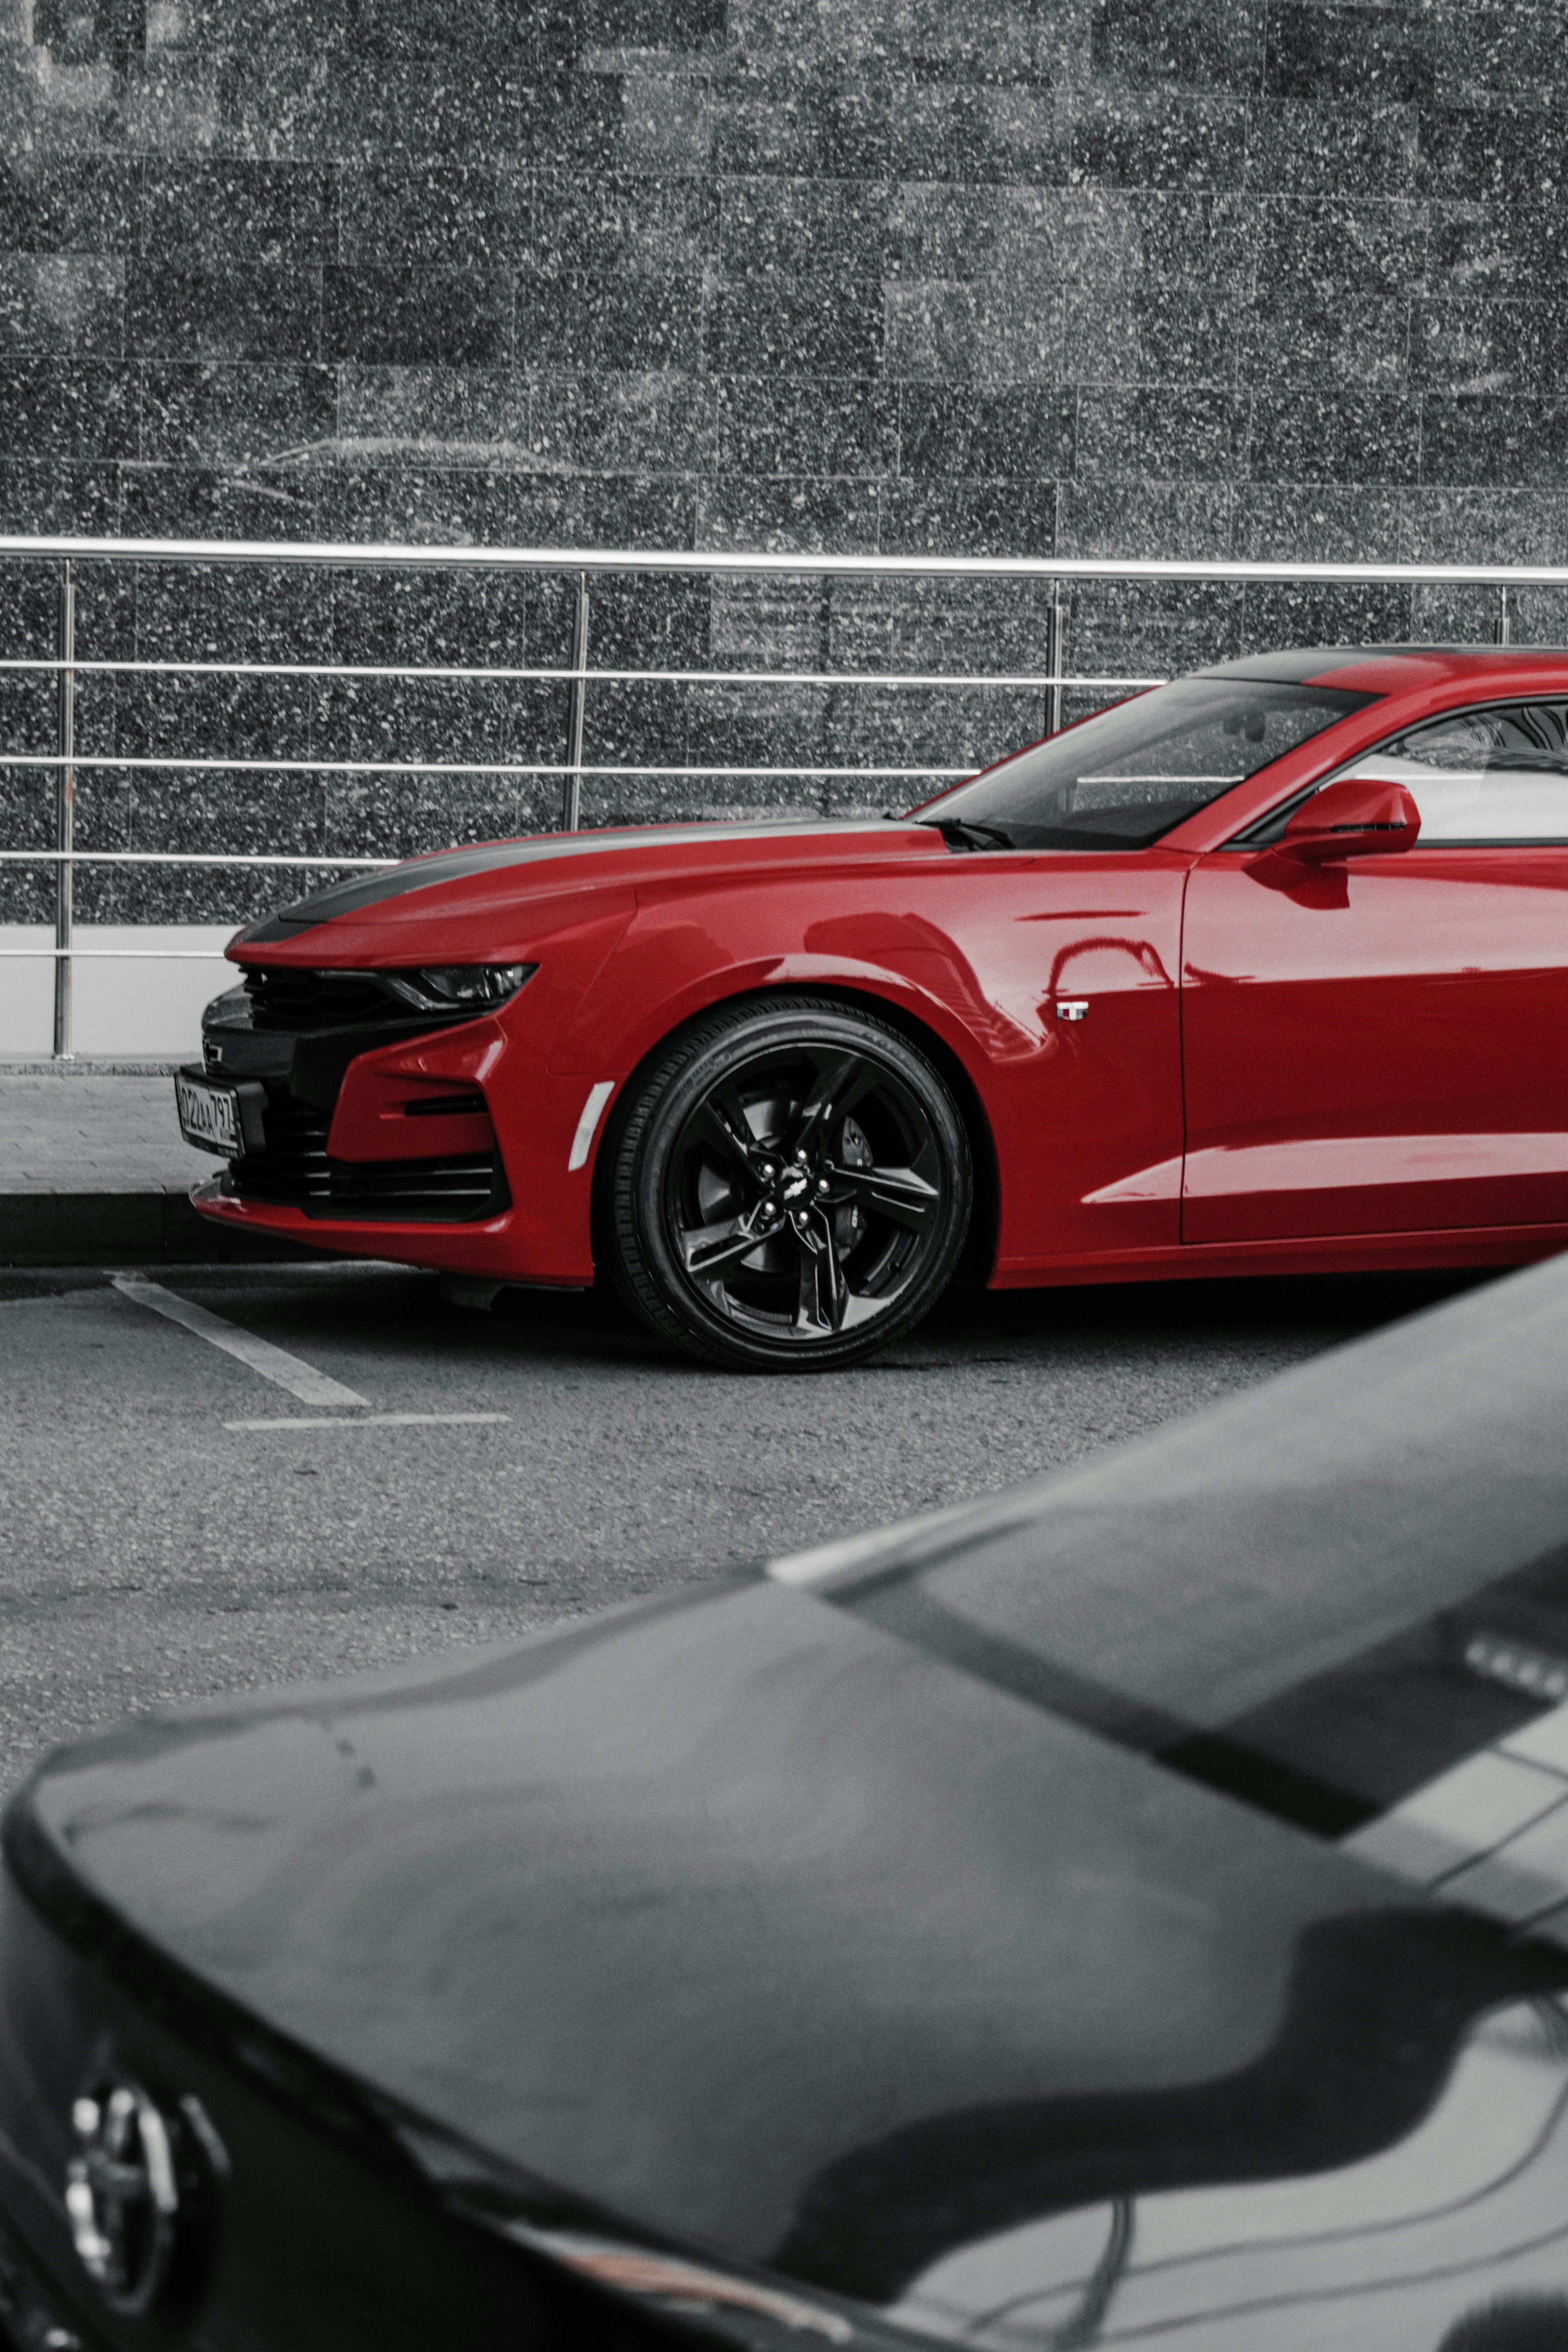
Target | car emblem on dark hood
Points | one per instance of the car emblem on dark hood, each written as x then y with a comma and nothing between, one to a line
122,2193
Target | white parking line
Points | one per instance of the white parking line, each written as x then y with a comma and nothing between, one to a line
368,1421
274,1364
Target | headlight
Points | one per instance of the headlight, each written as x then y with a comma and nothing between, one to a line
458,987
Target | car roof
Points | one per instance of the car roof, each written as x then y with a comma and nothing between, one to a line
1396,668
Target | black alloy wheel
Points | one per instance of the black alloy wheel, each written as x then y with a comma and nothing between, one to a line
788,1189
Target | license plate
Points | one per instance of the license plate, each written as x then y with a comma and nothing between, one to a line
209,1114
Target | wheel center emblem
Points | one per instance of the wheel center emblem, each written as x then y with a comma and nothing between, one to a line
795,1185
121,2194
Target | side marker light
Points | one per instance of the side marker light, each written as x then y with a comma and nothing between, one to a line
582,1141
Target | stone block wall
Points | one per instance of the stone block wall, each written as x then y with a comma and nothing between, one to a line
1100,277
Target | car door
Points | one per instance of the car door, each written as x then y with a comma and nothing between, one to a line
1381,1044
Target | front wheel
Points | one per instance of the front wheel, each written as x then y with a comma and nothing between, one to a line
788,1189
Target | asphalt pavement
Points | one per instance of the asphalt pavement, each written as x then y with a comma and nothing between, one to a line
180,1519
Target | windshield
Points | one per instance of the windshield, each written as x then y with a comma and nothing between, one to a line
1122,778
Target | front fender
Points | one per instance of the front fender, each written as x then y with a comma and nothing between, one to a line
657,981
615,1033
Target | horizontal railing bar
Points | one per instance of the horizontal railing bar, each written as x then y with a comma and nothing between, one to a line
179,857
561,677
383,555
428,767
132,955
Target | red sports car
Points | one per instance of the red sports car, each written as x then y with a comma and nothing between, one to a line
1265,969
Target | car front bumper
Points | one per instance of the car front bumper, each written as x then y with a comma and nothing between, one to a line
450,1148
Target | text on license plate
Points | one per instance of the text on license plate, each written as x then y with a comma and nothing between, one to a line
209,1114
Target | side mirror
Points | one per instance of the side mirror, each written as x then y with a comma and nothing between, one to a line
1357,816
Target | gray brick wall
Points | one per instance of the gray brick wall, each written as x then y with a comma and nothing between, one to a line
1090,276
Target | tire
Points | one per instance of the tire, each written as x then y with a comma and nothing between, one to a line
787,1188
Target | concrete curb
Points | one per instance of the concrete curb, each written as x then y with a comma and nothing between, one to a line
43,1066
146,1228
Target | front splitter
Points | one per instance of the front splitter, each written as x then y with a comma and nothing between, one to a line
489,1248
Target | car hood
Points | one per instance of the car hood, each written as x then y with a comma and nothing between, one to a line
452,884
764,1932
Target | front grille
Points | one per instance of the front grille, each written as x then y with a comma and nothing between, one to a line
295,1171
297,1000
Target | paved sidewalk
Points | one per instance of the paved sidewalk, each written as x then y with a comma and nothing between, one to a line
83,1132
93,1168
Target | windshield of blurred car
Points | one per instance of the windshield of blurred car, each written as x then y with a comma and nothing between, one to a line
1121,779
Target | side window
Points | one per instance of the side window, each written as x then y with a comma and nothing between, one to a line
1495,775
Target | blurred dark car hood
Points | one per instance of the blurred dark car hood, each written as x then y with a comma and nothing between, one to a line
678,1908
804,1937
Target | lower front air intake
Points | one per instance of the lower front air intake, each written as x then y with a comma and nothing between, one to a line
295,1171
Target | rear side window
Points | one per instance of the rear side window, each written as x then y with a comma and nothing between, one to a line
1484,777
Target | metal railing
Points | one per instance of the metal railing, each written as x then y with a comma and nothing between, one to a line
579,565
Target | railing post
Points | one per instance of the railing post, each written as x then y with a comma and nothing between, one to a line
1055,653
1502,633
65,816
572,794
828,716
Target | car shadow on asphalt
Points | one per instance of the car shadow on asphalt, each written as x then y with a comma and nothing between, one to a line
401,1310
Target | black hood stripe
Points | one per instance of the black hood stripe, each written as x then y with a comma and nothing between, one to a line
496,856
